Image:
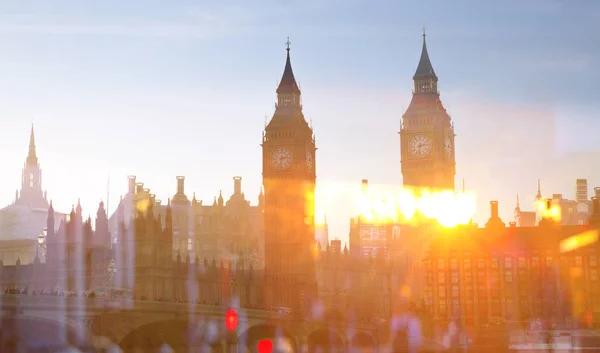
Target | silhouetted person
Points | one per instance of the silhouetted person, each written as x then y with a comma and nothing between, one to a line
406,330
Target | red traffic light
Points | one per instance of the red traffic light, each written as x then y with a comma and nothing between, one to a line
231,319
265,346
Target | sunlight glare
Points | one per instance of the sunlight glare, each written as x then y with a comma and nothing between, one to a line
447,207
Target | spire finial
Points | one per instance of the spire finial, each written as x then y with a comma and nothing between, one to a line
32,156
287,44
424,31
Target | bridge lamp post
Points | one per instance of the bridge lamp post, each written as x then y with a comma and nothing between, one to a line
112,270
232,288
41,239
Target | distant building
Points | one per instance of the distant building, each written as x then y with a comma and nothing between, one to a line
572,212
25,219
485,275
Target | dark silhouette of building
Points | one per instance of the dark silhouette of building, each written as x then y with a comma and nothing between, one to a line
289,179
427,133
225,229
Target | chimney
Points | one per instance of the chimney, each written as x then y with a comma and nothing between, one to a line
365,185
180,184
581,190
139,188
237,185
494,209
597,191
131,188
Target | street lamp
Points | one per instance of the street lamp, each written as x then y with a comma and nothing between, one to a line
232,287
41,239
112,269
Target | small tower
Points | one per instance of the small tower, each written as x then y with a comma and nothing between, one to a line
517,212
31,182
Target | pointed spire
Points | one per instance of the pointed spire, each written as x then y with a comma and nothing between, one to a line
220,198
288,81
539,191
424,69
261,197
32,156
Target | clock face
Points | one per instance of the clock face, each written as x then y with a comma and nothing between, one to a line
282,158
309,161
420,146
448,146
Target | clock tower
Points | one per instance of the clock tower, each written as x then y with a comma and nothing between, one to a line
427,133
289,179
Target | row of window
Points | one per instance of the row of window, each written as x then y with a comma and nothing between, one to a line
508,262
508,276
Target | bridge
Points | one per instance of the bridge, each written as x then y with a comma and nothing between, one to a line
141,325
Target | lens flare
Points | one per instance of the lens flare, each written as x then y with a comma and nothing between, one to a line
410,206
549,209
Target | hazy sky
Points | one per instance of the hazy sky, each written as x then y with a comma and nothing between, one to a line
165,88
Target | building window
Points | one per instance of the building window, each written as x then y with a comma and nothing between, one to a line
441,264
454,277
535,262
454,264
549,260
467,263
521,261
442,291
578,261
468,277
455,291
495,262
594,275
508,277
481,263
441,278
593,261
507,262
189,247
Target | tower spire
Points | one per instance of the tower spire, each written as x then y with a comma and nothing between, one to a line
32,156
539,191
288,84
424,69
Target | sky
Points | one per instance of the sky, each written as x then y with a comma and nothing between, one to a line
159,89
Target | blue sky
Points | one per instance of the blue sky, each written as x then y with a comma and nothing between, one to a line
160,89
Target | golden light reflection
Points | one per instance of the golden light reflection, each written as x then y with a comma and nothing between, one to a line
319,216
578,241
142,205
447,207
548,209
